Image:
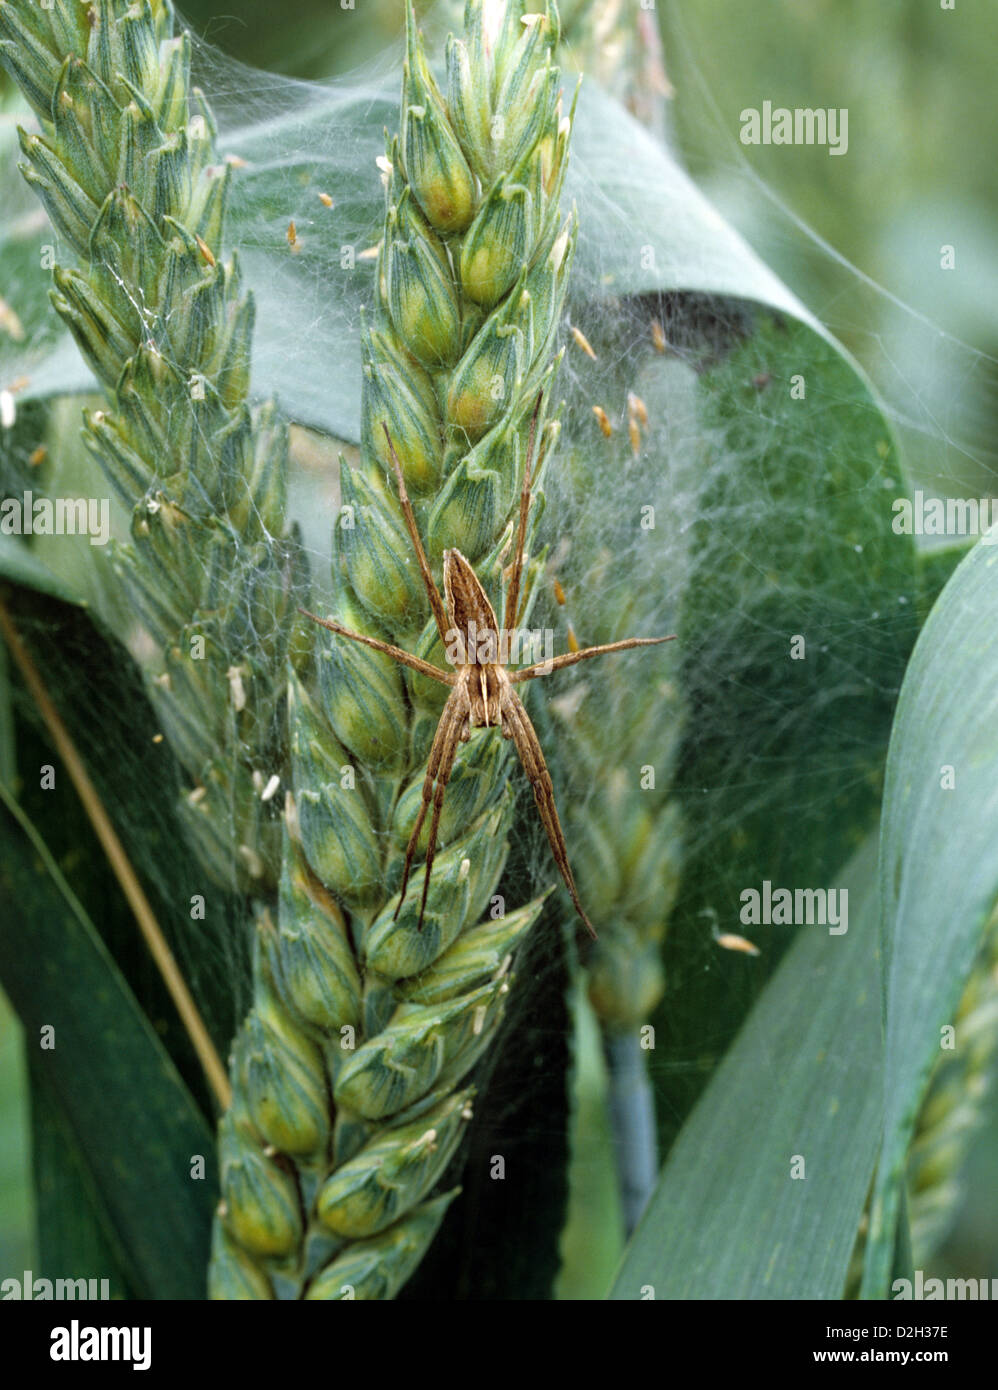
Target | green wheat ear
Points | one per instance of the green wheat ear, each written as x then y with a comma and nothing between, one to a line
619,47
954,1111
623,821
955,1108
471,282
124,166
387,1020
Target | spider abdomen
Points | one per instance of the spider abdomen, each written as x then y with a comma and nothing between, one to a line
484,685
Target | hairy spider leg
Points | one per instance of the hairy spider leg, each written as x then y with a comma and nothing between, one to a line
513,592
416,663
517,726
432,592
451,730
557,663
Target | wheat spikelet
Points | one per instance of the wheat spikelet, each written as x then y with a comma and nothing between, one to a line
387,1019
123,165
955,1107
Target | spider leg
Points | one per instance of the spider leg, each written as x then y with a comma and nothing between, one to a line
528,747
513,592
432,592
544,668
438,770
425,668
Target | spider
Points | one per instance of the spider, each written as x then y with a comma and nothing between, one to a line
482,688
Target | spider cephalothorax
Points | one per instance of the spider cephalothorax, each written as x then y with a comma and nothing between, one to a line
482,693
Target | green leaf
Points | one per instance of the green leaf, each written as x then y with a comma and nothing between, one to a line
16,1200
75,1238
772,469
936,564
96,687
307,345
99,694
19,564
938,859
645,227
310,300
124,1103
8,736
797,619
727,1220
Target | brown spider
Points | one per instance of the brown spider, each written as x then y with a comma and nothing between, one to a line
482,694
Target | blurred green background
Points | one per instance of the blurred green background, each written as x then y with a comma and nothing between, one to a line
858,237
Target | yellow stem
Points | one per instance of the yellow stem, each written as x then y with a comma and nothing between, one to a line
123,871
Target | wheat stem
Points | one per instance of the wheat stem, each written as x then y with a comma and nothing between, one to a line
632,1120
